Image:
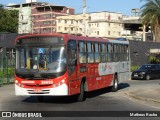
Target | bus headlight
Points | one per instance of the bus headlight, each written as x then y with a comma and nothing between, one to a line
16,81
59,83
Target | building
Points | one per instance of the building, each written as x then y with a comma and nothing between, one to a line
72,24
39,17
44,17
99,24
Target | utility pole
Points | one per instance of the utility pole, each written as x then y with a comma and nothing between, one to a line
84,17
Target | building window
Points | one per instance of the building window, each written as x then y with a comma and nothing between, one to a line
109,24
47,15
46,29
53,29
59,28
54,22
71,28
109,32
71,21
109,17
59,21
53,15
97,32
67,11
46,22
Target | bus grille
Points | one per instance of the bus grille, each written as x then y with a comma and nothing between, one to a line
42,92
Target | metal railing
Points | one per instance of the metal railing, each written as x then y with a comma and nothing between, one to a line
7,66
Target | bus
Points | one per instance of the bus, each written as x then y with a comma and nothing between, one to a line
65,65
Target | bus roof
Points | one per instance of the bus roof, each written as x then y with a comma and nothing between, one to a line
75,37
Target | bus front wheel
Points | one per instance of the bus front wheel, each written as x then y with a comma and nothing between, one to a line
81,96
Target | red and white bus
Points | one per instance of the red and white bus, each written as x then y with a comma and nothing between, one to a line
65,65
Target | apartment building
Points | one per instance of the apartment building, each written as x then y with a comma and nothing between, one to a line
44,17
99,24
72,24
39,17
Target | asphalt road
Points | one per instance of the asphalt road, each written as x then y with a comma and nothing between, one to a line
101,100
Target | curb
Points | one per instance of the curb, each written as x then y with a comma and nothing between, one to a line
142,98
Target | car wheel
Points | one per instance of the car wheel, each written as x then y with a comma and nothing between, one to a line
148,77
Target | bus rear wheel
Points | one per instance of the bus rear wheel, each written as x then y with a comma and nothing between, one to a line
114,88
81,96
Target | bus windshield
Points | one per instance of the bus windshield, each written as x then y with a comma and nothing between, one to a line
43,59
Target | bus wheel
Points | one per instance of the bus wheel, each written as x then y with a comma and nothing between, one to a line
40,98
81,96
115,84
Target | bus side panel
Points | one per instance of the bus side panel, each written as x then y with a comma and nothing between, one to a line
107,80
74,87
92,83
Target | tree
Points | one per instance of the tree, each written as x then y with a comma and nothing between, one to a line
8,20
151,16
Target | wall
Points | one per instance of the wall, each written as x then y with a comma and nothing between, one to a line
139,51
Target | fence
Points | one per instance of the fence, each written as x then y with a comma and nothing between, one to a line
7,65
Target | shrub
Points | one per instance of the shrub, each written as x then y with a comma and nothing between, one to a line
134,68
7,73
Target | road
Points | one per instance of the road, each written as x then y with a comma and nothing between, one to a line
101,100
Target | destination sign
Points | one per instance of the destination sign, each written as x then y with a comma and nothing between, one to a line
41,40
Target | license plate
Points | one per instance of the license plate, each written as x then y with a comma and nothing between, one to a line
37,90
136,75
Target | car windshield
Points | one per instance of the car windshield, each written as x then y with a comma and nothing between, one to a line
51,59
145,67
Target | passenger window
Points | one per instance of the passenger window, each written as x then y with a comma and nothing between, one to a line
103,53
90,53
82,52
97,55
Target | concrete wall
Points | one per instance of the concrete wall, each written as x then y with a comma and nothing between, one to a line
139,51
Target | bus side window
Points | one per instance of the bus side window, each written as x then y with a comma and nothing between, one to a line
82,52
72,58
72,52
103,51
110,54
90,53
96,50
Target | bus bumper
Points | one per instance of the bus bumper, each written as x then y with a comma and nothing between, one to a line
61,90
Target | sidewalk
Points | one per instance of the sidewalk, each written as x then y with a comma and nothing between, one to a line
150,94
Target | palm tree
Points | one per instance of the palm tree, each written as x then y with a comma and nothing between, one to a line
151,16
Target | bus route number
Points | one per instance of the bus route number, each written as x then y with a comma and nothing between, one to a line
46,82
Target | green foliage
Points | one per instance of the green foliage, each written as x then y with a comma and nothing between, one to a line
154,60
151,16
7,73
8,20
134,68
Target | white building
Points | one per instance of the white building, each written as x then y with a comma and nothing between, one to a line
100,24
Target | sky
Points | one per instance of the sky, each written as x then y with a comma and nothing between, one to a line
122,6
